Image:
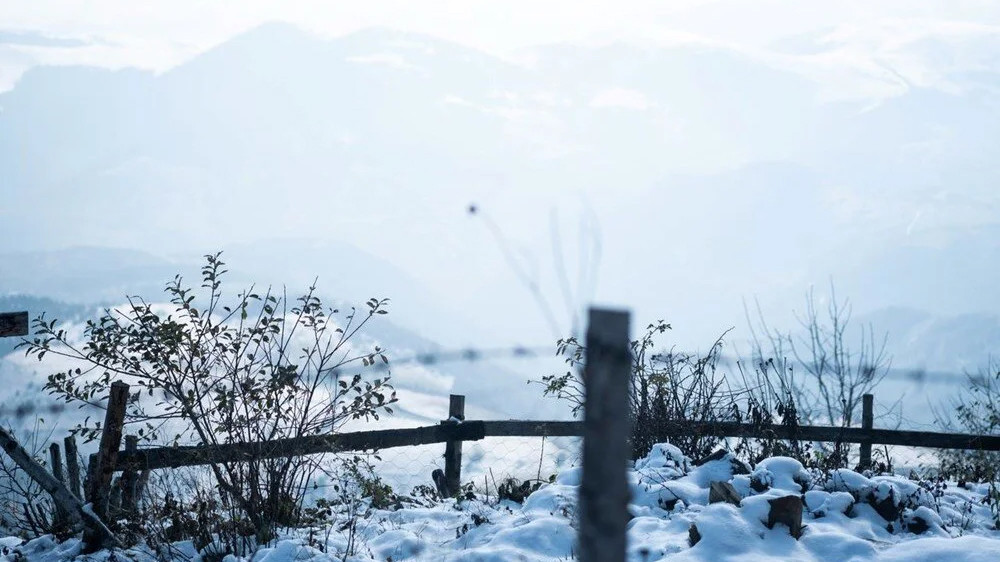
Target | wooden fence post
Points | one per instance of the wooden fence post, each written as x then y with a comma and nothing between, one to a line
867,420
73,466
115,498
453,449
603,492
107,455
55,460
88,481
130,478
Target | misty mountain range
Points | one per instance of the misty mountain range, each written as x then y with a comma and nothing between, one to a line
716,176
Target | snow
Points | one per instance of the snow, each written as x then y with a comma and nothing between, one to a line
841,517
965,549
783,473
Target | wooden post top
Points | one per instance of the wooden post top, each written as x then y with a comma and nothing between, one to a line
13,324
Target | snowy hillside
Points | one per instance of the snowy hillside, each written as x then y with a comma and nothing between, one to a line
845,516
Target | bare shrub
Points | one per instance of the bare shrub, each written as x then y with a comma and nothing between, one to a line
667,390
672,391
257,369
25,508
837,373
977,411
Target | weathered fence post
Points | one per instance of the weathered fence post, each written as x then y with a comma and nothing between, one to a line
867,420
13,324
55,459
73,466
453,449
130,479
88,481
99,484
115,498
603,493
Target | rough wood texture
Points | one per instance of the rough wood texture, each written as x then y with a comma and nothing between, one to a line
518,428
130,479
13,324
73,466
453,449
92,467
603,492
61,496
867,420
107,455
171,457
55,462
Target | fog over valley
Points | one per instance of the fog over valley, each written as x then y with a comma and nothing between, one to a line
687,176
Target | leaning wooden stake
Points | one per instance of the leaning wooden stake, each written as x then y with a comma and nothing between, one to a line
603,493
88,488
453,449
99,479
73,466
76,512
107,453
55,461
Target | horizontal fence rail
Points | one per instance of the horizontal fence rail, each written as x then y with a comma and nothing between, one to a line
171,457
135,464
515,428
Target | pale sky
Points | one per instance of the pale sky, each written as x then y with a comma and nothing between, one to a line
863,50
161,33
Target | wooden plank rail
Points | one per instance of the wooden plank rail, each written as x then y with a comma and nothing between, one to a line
13,324
517,428
170,457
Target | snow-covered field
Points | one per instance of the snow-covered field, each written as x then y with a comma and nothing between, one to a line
846,516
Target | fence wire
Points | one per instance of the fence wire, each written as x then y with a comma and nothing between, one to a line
487,464
918,377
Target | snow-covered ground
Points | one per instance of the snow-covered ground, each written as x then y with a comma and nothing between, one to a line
846,516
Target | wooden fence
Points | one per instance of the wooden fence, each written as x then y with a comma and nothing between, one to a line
603,490
475,430
134,463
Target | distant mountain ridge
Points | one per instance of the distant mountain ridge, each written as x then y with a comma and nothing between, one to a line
717,175
956,344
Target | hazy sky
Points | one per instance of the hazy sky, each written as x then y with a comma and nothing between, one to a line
858,50
159,34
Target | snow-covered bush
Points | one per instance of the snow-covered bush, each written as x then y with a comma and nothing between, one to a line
257,368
